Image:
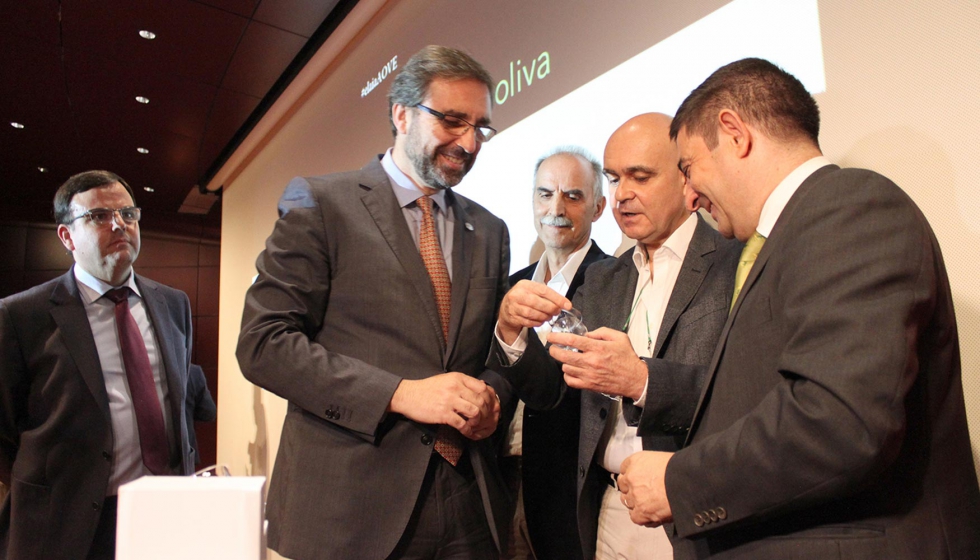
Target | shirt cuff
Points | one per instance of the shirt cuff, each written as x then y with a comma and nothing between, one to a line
513,353
640,402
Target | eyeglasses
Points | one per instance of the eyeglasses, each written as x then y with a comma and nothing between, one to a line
104,216
458,127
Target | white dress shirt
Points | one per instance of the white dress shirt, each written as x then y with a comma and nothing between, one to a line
127,458
650,299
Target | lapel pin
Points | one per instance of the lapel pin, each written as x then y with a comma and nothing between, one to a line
469,226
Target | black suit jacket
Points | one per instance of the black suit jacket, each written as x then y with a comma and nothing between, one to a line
695,314
55,428
833,423
341,312
549,455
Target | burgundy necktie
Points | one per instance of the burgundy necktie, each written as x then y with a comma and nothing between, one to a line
449,442
139,375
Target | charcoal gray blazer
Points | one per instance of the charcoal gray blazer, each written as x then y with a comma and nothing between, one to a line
832,424
55,428
341,312
695,314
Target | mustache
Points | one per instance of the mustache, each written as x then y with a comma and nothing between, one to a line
557,221
457,152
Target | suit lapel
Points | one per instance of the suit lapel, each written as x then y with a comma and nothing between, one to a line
693,270
68,313
381,203
592,255
462,249
166,333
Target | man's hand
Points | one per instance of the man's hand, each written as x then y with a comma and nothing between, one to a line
641,484
605,362
528,304
455,399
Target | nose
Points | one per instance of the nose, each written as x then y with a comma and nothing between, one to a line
622,192
117,220
467,140
558,204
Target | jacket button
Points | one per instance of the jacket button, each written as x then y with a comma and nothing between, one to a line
581,472
426,439
713,515
698,520
106,456
602,414
95,506
722,514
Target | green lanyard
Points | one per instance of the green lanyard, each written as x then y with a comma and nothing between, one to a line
626,327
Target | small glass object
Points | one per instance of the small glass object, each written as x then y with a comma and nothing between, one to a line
568,321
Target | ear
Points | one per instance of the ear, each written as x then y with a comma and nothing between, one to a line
64,234
733,131
599,207
399,116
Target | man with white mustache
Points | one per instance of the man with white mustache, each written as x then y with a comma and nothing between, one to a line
654,315
539,454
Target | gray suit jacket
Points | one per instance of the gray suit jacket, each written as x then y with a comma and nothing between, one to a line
695,314
833,423
341,312
55,428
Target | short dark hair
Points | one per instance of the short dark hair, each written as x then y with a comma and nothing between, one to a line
762,94
585,156
80,183
411,85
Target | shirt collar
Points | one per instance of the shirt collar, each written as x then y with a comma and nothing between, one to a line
405,190
779,197
676,244
92,288
567,271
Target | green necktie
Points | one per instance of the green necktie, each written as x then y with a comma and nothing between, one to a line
745,262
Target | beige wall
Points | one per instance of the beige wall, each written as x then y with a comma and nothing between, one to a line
902,82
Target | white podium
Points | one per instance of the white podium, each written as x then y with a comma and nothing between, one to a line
210,518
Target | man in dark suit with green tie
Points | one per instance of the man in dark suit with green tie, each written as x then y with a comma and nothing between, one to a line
832,423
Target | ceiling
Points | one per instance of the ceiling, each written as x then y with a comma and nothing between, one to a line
71,72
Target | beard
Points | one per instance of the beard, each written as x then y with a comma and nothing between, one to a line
427,166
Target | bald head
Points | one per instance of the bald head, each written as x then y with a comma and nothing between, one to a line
645,184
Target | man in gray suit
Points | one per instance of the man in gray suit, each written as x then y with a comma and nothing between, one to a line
654,315
372,315
93,377
832,424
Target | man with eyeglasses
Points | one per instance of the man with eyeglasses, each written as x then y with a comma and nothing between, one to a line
93,375
372,315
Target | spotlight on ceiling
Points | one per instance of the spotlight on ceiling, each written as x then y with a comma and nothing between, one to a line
142,99
16,125
42,169
147,34
142,150
149,189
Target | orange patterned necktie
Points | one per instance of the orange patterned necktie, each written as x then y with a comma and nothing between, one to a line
435,263
449,442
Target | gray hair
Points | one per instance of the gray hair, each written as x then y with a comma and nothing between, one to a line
411,85
583,155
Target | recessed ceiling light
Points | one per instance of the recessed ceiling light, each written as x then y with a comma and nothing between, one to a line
147,34
16,125
42,169
142,150
149,189
142,99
